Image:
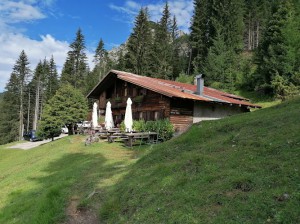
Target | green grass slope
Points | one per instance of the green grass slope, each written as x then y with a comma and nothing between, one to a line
38,185
243,169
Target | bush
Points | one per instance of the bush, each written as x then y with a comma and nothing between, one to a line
164,128
139,125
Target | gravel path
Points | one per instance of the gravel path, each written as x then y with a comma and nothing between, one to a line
30,145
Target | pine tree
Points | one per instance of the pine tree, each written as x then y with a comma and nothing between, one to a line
75,68
228,16
100,52
101,60
276,55
257,12
102,65
139,42
12,118
51,80
175,44
40,83
9,113
201,33
22,72
219,66
162,54
121,63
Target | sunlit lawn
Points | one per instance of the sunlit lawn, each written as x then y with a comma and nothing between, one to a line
37,185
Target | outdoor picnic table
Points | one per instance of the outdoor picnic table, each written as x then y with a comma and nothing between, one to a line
114,133
113,130
139,135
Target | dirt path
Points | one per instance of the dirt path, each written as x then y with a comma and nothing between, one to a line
80,216
30,145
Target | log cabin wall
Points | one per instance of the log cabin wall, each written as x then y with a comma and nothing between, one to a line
146,104
181,114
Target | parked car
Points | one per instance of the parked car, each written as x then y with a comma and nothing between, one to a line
64,130
31,136
84,124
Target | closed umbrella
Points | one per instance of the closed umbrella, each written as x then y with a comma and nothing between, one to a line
109,123
128,116
95,116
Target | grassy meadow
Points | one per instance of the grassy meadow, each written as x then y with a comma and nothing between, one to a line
38,185
241,169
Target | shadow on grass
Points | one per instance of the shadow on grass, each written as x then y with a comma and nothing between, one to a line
71,174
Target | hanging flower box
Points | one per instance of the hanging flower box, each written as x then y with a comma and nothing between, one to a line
138,99
118,99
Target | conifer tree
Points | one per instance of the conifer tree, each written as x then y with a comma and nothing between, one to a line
9,113
38,82
201,33
256,14
139,42
100,52
162,55
102,65
175,57
101,60
217,38
51,80
13,102
75,68
22,72
121,63
219,65
277,55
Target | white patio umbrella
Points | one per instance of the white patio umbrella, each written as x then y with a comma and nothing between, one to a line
109,122
95,115
128,116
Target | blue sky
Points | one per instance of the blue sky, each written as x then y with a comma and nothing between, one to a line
46,27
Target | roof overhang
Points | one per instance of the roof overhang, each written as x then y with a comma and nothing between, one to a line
165,89
104,84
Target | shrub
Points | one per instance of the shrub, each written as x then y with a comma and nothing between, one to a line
164,127
139,125
122,126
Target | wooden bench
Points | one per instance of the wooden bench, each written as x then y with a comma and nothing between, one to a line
139,136
116,136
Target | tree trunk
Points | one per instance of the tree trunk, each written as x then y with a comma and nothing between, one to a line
249,33
21,115
37,105
28,113
257,33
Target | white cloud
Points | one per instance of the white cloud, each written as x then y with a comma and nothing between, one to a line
182,9
13,41
36,50
14,12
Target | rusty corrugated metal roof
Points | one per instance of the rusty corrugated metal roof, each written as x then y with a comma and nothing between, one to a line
182,90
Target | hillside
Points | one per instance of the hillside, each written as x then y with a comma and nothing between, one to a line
53,183
243,169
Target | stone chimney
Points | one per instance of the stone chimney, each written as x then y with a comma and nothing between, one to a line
200,84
